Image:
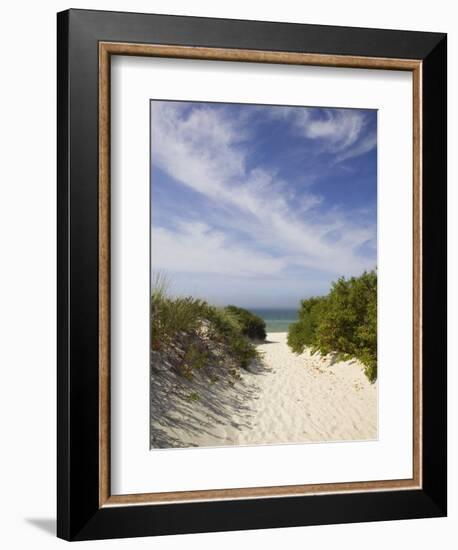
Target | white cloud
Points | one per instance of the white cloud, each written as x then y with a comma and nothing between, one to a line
206,151
197,248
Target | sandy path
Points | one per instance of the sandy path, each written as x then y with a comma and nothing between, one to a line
306,398
290,399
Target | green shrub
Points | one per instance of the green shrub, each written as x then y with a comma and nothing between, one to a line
344,321
226,327
221,323
251,325
195,356
243,351
193,396
302,333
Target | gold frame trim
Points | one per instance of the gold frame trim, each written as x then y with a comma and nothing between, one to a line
106,50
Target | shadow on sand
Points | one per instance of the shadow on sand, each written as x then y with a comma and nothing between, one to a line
183,410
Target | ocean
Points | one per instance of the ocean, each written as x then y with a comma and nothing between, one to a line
277,320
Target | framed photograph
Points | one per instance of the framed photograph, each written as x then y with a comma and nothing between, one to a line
251,274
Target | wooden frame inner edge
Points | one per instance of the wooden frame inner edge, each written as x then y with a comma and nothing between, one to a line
106,49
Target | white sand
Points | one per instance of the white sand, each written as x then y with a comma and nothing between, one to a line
289,399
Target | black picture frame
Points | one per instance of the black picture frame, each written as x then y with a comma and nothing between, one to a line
80,516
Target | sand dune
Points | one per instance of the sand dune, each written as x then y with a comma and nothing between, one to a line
286,399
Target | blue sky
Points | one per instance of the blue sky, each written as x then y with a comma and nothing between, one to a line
261,206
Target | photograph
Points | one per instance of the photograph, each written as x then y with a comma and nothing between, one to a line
251,251
263,274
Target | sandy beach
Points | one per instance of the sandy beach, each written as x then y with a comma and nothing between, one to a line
286,398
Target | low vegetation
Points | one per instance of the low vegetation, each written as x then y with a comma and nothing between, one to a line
194,336
251,325
344,321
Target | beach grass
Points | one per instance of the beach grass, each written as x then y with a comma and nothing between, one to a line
193,333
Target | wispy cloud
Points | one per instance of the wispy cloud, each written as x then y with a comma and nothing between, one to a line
342,131
363,145
271,224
